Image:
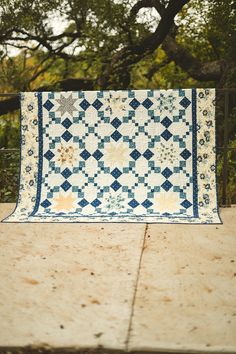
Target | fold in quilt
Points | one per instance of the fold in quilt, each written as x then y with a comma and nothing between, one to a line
118,156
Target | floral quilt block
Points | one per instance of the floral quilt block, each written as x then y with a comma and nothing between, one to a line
118,156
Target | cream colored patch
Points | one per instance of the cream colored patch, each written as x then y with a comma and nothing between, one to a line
116,154
165,202
64,202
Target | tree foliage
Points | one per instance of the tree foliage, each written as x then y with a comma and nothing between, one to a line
114,44
106,39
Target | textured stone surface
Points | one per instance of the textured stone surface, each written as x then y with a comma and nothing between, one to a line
186,297
67,285
74,286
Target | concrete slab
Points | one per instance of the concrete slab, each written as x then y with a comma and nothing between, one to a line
67,285
186,293
71,287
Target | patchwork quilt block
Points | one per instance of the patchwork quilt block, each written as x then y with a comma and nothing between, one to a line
118,156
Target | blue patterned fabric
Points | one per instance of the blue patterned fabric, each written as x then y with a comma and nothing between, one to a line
118,156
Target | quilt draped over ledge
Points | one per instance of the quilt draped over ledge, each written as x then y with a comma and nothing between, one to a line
118,156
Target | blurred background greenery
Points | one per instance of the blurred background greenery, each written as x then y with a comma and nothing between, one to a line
112,44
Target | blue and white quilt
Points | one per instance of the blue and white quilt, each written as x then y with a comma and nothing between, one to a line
118,156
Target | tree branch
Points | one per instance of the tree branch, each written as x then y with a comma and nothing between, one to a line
32,49
168,14
147,3
208,71
118,71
